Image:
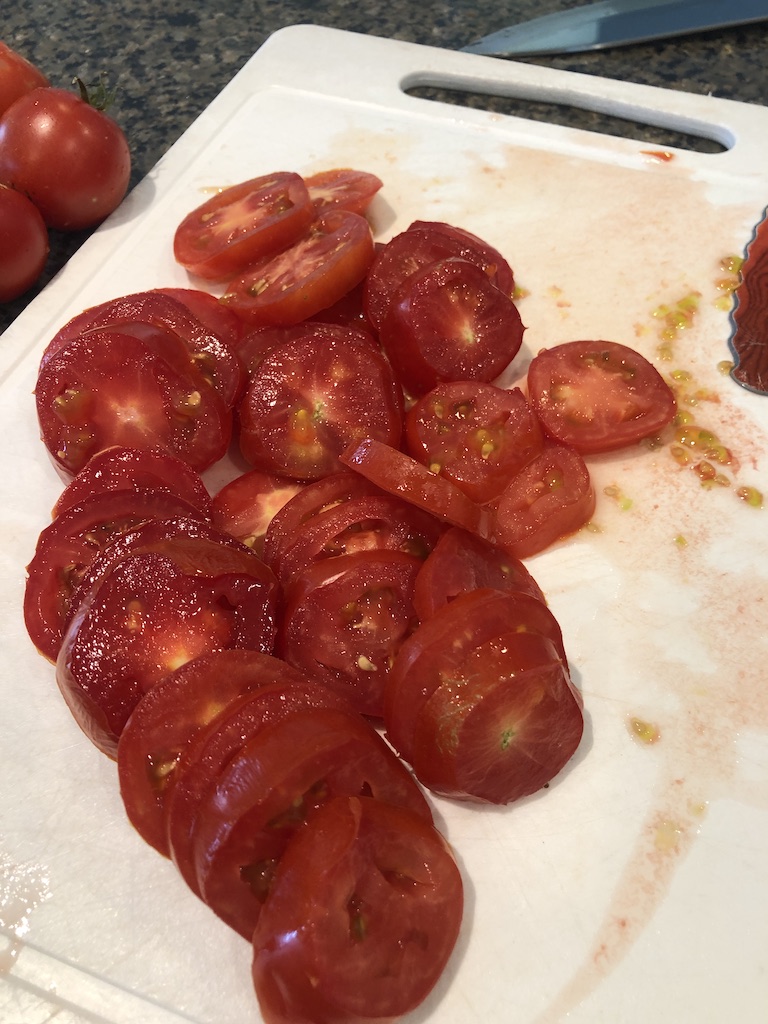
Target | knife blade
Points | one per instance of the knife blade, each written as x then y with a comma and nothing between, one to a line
609,23
749,338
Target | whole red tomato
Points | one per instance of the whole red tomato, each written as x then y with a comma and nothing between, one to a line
23,244
17,77
69,157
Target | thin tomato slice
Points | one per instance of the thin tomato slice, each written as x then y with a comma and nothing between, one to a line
168,718
242,224
550,498
399,474
502,723
475,434
247,505
362,917
449,322
314,273
597,396
312,396
342,188
267,792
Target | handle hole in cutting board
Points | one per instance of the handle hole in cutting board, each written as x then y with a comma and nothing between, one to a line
570,116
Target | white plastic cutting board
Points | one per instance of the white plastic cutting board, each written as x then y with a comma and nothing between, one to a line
635,888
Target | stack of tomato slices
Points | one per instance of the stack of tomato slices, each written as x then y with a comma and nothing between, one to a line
239,653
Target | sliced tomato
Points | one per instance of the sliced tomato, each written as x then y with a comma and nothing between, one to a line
345,619
214,747
442,642
475,434
368,523
119,468
311,397
449,322
209,311
423,243
363,915
503,722
343,188
399,474
243,223
107,388
461,562
170,715
548,499
153,612
597,396
67,548
267,792
247,505
314,273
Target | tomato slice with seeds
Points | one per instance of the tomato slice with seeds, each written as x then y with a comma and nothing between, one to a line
312,274
312,396
267,792
475,434
343,188
597,396
424,243
547,500
449,322
345,618
181,602
168,718
242,224
368,898
503,722
121,468
461,562
399,474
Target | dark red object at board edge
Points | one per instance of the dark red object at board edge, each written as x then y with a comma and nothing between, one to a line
749,336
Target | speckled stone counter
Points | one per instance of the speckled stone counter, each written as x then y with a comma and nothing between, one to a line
169,59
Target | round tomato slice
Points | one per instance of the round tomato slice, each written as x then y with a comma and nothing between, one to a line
548,499
247,505
119,468
343,189
314,273
399,474
362,917
270,789
475,434
67,548
597,396
424,243
442,642
344,621
502,723
170,715
311,397
153,612
106,388
461,562
449,322
214,747
209,311
243,223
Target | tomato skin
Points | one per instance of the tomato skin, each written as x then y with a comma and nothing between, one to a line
312,396
24,244
242,224
598,396
271,787
475,434
361,920
69,158
17,77
311,275
548,499
449,322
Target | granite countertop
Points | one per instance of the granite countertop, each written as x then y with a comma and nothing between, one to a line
170,59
